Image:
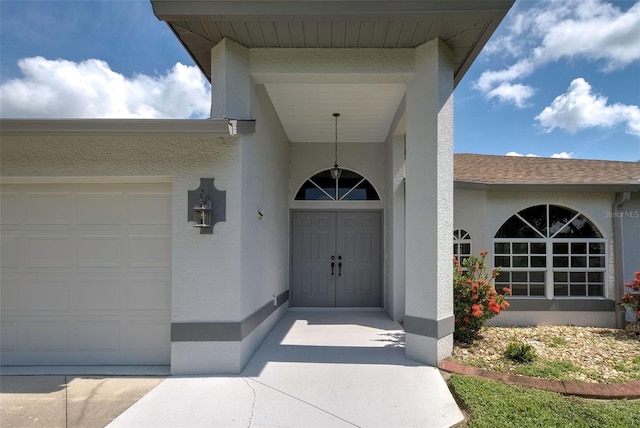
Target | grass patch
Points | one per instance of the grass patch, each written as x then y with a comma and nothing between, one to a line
491,404
632,366
557,341
547,369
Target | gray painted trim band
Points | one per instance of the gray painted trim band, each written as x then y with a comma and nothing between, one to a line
225,331
429,327
595,305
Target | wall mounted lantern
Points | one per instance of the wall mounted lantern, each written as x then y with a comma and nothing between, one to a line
206,206
202,211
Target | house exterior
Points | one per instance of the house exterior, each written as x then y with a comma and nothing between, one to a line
564,231
102,264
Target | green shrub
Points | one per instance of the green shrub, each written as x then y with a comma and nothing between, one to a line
520,352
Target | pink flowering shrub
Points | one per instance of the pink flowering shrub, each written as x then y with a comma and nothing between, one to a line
632,300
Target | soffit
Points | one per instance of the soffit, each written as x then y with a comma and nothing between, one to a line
305,110
465,26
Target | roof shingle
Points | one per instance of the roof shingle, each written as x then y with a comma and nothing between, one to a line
490,169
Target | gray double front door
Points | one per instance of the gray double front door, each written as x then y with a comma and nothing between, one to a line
336,258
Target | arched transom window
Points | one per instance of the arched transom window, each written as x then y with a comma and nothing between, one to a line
550,251
350,186
461,245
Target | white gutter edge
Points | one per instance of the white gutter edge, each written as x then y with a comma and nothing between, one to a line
620,200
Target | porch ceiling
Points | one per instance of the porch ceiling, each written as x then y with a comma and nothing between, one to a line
464,25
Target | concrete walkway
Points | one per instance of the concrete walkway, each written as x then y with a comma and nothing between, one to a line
315,369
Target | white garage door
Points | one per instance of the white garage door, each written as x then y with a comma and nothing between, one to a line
86,274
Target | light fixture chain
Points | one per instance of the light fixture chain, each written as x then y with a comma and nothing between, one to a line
336,140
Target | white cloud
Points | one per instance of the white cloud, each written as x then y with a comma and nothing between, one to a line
490,79
518,94
546,31
579,108
90,89
562,155
530,155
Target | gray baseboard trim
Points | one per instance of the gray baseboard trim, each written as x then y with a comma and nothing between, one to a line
225,331
429,327
587,305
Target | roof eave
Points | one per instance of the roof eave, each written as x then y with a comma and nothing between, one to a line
179,10
11,127
549,187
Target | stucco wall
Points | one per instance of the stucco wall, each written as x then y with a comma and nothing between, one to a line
469,213
306,159
205,268
265,248
630,213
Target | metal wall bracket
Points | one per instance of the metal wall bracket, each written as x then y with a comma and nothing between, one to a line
218,200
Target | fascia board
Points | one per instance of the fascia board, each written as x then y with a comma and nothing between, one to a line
116,126
549,187
173,10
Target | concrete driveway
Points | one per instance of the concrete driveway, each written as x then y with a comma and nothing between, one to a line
68,401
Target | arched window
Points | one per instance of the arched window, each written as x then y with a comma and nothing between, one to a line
461,245
550,251
351,186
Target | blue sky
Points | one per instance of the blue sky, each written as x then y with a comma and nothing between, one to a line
558,78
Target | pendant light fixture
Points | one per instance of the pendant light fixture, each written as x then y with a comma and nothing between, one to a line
336,171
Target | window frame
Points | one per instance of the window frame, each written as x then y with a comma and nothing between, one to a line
550,255
461,237
336,193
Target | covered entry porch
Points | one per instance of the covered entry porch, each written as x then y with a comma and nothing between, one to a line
389,69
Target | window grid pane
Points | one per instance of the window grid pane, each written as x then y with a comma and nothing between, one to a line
461,245
575,247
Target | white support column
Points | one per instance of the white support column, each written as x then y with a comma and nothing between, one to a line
398,227
429,205
230,81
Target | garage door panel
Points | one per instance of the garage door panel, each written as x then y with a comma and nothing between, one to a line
9,335
10,250
148,335
149,294
86,274
99,251
45,293
98,335
149,251
45,335
145,209
53,251
49,209
9,297
9,209
101,208
97,294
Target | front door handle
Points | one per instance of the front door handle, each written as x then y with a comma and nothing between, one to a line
332,265
339,268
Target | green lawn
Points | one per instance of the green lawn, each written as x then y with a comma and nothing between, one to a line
492,404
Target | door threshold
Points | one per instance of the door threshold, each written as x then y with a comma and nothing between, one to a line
335,309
